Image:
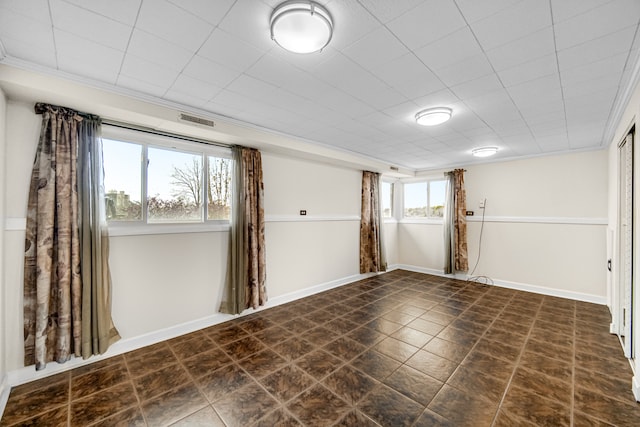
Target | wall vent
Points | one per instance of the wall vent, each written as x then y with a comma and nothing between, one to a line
393,168
197,120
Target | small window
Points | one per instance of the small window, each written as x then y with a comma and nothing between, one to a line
387,199
424,199
156,184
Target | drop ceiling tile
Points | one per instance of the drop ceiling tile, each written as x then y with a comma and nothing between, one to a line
154,49
409,76
450,49
517,21
351,22
36,54
536,90
210,11
477,87
441,98
466,70
543,66
141,86
154,74
185,29
124,11
373,92
376,48
551,143
475,10
611,66
85,24
253,88
272,70
609,83
36,10
195,88
249,21
185,99
230,51
597,49
385,11
526,49
420,25
85,58
600,21
27,39
209,71
565,9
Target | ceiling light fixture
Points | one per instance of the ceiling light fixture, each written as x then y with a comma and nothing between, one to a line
301,26
484,151
433,116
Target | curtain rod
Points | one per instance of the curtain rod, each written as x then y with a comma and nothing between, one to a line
152,131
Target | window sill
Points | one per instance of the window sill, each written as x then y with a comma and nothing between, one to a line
150,229
434,221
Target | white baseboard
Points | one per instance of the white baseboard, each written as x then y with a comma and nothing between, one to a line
5,389
578,296
27,374
635,387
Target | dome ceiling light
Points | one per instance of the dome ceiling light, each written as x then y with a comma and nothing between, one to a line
301,26
484,151
433,116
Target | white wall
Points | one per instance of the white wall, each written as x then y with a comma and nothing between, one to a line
4,388
545,225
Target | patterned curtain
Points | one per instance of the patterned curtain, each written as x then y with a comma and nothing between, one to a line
53,274
372,257
98,331
246,272
455,224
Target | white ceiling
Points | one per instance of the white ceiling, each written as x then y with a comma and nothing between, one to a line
529,76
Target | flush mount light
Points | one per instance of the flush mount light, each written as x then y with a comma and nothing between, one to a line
301,26
484,151
433,116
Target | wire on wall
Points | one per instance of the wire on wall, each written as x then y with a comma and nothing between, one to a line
480,279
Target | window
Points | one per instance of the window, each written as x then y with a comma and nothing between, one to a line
155,180
425,199
387,199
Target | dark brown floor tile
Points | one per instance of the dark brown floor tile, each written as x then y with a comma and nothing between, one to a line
412,310
227,335
94,366
32,398
366,336
489,365
342,326
207,362
299,325
398,316
245,406
452,334
294,348
243,348
607,409
474,328
512,336
583,420
102,404
461,408
257,324
318,363
287,382
55,418
390,408
447,349
438,317
555,368
91,382
205,417
173,405
320,336
375,364
498,349
142,364
349,384
262,363
131,417
430,419
414,384
426,326
160,381
603,362
191,347
432,365
356,418
223,381
536,409
543,385
273,336
412,336
318,406
549,350
607,384
396,349
344,348
385,326
507,419
477,383
280,418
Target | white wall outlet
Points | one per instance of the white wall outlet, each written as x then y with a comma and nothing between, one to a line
481,205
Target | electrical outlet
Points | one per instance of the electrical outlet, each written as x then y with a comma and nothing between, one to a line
469,213
481,205
303,212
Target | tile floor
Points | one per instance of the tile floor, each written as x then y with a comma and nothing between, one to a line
400,349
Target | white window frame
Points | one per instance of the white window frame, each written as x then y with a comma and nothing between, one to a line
145,139
394,200
426,219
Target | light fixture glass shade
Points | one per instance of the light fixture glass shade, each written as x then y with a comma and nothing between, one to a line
433,116
301,26
484,151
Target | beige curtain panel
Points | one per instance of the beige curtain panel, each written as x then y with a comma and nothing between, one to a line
246,273
372,257
455,224
55,286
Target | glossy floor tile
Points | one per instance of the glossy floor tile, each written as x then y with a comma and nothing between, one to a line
399,349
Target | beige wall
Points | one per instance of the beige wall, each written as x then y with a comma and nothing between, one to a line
3,303
521,244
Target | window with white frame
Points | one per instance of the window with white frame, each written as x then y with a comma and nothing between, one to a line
386,202
151,179
425,199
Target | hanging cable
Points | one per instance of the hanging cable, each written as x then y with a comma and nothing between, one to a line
480,279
